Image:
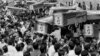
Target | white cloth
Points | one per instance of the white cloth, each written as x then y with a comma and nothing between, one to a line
51,51
57,34
23,29
19,53
71,53
2,30
7,54
6,18
56,54
2,44
25,47
11,49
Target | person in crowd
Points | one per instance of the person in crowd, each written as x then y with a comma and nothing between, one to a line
69,3
27,53
87,47
36,51
1,52
71,49
5,50
51,50
19,48
2,43
84,53
43,48
91,7
98,7
61,52
11,49
78,50
80,5
66,50
57,47
84,6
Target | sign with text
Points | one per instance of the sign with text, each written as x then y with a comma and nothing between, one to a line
58,19
31,7
88,30
41,28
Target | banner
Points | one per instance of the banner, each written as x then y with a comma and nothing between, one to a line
41,28
89,32
58,19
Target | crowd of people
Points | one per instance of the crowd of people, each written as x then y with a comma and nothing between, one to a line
18,38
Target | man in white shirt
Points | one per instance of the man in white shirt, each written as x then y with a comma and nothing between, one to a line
51,50
11,48
71,51
19,48
2,43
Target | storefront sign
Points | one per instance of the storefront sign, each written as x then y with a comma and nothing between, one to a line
88,30
31,7
41,28
58,19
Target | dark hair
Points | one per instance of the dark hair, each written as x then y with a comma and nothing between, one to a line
35,45
5,49
43,48
71,45
45,37
84,53
87,47
22,45
77,42
57,46
80,5
28,41
1,52
61,52
10,42
26,54
19,47
73,39
40,35
66,49
54,41
78,50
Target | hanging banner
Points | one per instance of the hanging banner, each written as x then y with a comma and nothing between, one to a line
41,28
89,32
31,7
58,19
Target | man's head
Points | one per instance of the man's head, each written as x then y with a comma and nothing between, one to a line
84,53
5,49
78,50
35,45
71,45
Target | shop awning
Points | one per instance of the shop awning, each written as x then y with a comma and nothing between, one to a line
63,9
93,15
15,8
76,17
48,19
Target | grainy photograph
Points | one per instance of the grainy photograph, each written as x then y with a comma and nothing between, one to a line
49,27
